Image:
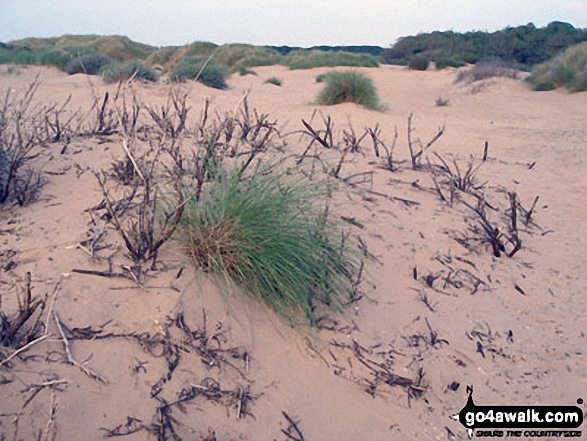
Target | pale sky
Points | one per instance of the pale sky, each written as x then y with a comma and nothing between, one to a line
300,23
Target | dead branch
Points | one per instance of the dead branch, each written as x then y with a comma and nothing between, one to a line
416,155
293,432
70,358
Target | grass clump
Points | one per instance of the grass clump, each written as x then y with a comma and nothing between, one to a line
568,69
273,80
349,87
90,64
206,71
441,102
115,72
269,234
243,70
419,63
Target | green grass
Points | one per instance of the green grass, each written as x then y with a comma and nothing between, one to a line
202,69
269,235
273,80
309,59
568,69
116,72
349,87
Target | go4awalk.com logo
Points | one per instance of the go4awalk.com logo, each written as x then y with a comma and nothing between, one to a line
520,421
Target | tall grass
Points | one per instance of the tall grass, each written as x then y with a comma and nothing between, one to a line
349,87
269,234
568,69
419,63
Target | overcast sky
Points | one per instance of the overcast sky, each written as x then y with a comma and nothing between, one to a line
299,23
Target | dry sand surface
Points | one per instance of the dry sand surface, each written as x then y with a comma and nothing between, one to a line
516,346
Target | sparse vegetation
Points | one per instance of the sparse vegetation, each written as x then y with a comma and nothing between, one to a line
349,87
90,64
269,234
273,80
568,69
305,59
204,70
419,63
115,72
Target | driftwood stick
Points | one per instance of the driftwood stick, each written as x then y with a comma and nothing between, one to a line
24,348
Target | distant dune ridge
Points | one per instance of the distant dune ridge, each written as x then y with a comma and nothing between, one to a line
524,46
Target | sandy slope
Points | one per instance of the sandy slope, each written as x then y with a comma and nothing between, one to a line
533,343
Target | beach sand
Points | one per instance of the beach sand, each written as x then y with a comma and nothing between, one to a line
513,328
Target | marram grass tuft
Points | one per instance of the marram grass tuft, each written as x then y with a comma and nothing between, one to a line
270,235
349,87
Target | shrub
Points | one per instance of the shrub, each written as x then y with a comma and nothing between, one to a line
567,69
443,63
115,72
16,55
273,80
321,78
488,69
90,64
206,72
270,236
22,132
419,63
349,86
54,57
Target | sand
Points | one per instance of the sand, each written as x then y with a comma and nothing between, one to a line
515,346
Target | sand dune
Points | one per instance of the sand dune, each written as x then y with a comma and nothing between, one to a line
438,309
